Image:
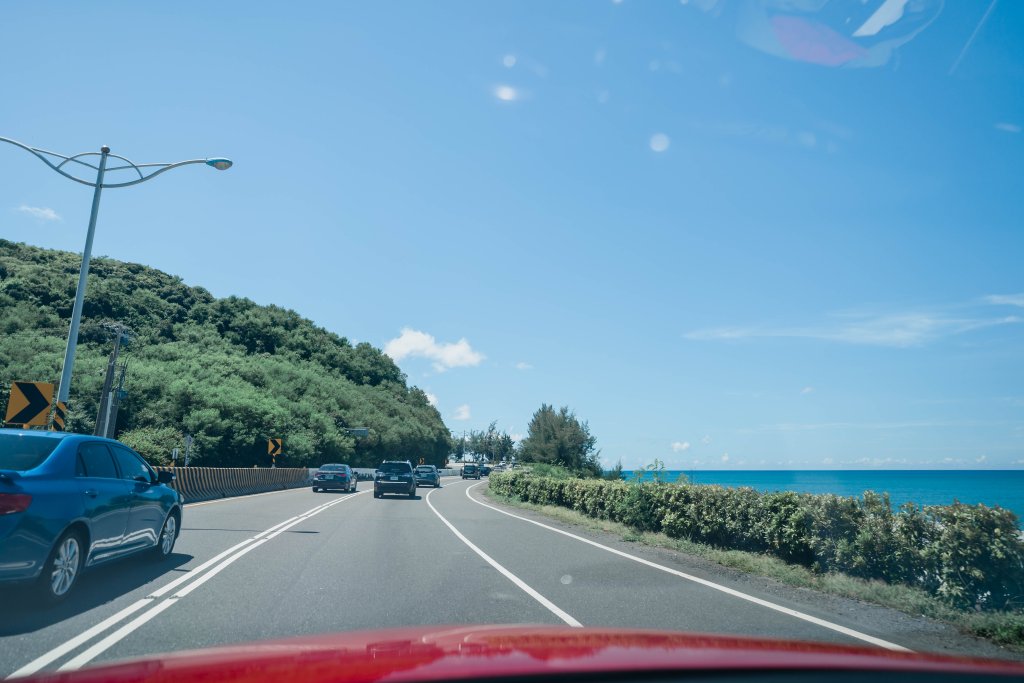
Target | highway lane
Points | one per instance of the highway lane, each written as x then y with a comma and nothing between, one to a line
295,562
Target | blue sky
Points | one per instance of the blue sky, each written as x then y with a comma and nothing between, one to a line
726,236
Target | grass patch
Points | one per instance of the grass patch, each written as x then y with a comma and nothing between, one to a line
1003,628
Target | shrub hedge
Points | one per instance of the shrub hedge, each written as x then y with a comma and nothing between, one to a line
969,555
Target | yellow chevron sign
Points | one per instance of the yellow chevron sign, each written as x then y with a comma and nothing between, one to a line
29,404
274,446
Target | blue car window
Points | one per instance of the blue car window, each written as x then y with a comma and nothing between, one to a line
97,461
24,451
131,465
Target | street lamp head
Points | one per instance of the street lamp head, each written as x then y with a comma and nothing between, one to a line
105,150
219,164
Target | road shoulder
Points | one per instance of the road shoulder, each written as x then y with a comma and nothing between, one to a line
917,632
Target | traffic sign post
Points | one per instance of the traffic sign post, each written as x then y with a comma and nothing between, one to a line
174,457
29,404
60,416
188,448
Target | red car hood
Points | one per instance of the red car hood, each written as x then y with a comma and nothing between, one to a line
476,652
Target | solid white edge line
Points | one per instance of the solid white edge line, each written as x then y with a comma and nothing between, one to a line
87,656
228,499
64,648
552,607
710,584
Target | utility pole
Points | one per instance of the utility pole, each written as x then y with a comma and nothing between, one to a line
107,397
115,403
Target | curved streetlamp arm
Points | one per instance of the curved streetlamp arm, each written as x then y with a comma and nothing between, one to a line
38,153
129,165
143,178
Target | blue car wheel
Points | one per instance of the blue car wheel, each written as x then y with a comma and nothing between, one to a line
62,568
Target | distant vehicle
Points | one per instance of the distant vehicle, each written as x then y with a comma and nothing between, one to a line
470,471
394,476
485,470
335,477
428,475
70,501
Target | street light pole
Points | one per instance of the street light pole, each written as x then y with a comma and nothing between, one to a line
144,172
64,389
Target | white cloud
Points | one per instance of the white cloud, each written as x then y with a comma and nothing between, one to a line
806,138
706,440
523,365
462,412
1008,127
508,61
807,390
40,213
1006,299
679,446
981,458
660,142
900,330
725,457
827,461
417,344
516,437
431,398
506,93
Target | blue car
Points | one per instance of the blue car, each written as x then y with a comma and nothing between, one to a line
70,501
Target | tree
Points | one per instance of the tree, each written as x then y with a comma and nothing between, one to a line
557,437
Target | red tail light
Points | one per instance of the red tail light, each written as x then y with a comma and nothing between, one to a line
14,502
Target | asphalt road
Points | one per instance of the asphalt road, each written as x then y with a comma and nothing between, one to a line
297,562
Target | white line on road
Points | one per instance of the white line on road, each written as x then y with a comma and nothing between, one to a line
555,609
83,637
87,656
218,564
228,499
704,582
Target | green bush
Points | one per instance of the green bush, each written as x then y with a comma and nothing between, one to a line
155,443
971,556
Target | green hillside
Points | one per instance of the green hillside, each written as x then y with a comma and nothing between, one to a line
228,371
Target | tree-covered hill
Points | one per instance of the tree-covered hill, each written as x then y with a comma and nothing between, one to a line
228,371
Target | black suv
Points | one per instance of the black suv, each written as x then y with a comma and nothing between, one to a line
470,471
394,476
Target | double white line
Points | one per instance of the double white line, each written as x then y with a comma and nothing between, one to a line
156,601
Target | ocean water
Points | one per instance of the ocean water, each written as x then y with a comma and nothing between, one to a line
1004,488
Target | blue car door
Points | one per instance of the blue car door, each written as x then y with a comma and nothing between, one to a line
106,499
149,504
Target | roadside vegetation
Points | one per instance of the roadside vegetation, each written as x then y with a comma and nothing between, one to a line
228,371
963,564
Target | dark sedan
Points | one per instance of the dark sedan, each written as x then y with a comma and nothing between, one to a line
334,477
427,475
69,501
